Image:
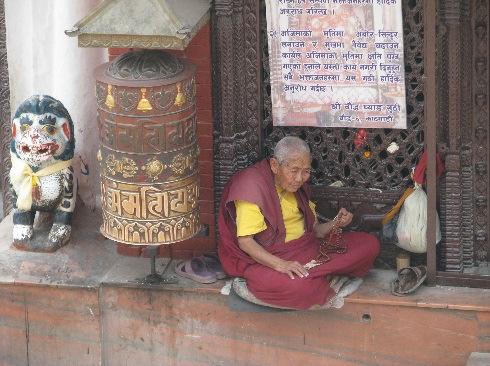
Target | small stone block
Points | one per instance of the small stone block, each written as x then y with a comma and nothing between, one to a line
478,359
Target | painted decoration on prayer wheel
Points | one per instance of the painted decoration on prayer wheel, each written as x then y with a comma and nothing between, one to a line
148,151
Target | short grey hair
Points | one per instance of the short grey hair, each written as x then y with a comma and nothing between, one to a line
289,145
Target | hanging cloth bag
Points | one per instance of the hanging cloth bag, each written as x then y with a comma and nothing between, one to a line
411,227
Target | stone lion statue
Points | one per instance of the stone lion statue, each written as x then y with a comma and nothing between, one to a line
42,174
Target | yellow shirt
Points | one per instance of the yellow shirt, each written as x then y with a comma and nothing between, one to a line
250,221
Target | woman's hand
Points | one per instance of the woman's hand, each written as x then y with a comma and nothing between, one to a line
344,217
291,268
262,256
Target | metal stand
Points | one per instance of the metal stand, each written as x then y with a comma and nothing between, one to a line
152,251
154,278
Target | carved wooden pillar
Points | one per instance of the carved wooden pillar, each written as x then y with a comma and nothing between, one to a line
450,16
223,93
4,116
480,137
467,171
236,79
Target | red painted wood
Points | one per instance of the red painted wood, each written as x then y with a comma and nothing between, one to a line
49,326
483,332
13,345
196,328
192,324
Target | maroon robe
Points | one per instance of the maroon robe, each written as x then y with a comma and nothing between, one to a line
256,185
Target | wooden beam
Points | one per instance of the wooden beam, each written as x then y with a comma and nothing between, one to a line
462,279
430,108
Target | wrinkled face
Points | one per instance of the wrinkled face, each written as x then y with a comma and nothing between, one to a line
293,173
40,137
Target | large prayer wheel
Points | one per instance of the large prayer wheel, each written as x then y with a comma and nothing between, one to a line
148,150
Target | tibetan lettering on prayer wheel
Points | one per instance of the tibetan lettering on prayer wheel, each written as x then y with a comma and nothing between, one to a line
148,151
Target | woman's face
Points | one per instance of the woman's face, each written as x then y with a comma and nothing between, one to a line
293,173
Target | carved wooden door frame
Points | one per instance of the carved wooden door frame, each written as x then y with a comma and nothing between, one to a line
4,116
463,133
238,109
238,130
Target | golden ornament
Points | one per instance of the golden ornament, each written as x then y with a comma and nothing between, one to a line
153,169
144,104
180,97
109,100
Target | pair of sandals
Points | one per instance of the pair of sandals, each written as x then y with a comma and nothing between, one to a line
203,269
408,280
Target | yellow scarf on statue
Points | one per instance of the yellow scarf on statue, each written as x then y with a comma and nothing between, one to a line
23,179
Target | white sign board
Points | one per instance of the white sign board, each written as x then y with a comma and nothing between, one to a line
337,63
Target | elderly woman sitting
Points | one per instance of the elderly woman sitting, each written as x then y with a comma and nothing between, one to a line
269,232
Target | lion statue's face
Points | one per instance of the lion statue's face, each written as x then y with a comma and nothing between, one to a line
43,137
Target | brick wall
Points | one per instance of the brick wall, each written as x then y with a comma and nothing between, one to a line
199,53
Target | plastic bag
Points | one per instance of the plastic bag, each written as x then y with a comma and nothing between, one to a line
411,227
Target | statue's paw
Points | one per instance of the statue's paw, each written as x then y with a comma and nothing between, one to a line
23,232
22,235
58,236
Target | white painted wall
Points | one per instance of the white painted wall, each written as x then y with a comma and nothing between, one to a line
43,60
